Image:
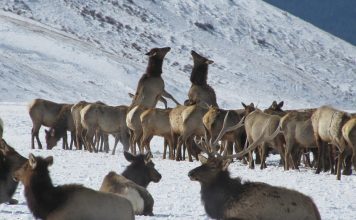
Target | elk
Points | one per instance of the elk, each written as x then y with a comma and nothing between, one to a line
1,128
133,122
109,120
227,198
156,122
63,123
200,91
327,126
141,169
10,161
69,202
151,85
141,200
349,134
42,112
213,121
298,134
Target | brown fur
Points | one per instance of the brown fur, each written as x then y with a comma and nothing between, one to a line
200,91
42,112
155,122
298,133
227,198
259,127
107,119
70,202
327,126
133,122
114,183
62,124
349,134
10,161
151,85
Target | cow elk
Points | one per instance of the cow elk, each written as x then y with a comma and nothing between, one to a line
141,200
141,169
327,126
42,112
70,202
201,92
10,161
150,87
156,122
63,123
349,134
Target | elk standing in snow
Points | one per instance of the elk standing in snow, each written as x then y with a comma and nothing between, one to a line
63,123
42,112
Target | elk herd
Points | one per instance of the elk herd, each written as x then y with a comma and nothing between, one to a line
198,127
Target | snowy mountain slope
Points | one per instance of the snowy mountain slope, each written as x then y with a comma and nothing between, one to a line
260,53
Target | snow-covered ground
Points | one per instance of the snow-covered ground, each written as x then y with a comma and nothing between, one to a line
67,51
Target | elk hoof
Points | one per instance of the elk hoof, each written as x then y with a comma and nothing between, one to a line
13,202
347,172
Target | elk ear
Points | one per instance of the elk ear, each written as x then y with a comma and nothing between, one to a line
32,161
225,164
148,157
202,159
280,105
129,157
151,54
49,160
209,62
243,104
52,132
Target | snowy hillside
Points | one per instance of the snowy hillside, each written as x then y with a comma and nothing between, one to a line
94,50
69,50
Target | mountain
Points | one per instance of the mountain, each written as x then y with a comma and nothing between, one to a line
335,17
70,50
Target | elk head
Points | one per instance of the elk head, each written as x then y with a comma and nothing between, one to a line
51,138
158,53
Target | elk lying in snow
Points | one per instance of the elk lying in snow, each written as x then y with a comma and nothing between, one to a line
349,134
327,126
107,119
227,198
156,122
141,200
141,170
133,182
42,112
70,202
200,91
151,85
10,161
63,123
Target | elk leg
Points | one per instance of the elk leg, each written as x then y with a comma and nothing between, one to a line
348,166
339,164
167,95
179,148
64,141
321,147
35,132
164,148
263,156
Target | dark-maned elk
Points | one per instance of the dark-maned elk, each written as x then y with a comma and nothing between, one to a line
141,200
10,161
63,123
298,133
42,112
349,134
151,85
107,119
141,169
70,202
227,198
155,122
327,126
200,91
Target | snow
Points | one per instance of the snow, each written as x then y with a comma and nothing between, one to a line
67,51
